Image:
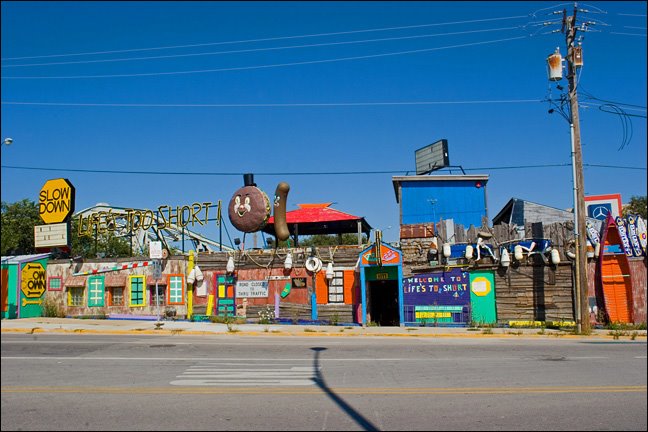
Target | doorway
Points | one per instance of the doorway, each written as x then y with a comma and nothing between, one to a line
383,302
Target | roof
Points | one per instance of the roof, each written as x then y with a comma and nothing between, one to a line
538,213
19,259
319,219
397,180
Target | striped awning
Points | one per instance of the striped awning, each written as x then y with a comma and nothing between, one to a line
75,281
150,280
115,280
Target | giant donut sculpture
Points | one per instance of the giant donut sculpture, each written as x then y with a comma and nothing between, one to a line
249,209
280,224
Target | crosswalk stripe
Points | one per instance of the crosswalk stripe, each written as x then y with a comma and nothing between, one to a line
213,374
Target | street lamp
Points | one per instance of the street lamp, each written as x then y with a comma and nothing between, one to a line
7,141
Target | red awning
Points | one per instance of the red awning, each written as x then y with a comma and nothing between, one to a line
320,219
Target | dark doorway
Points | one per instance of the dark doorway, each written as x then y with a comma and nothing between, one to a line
383,302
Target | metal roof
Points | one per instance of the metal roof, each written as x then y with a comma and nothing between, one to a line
320,219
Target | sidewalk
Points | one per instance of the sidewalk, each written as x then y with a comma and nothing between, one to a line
140,327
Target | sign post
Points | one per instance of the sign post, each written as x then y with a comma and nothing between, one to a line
157,273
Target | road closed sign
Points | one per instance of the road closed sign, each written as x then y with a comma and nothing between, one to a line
56,201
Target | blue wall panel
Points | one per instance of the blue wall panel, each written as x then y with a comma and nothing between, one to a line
462,201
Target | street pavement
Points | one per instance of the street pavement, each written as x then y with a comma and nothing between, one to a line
179,327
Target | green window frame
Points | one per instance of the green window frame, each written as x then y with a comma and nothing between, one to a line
175,290
96,291
136,288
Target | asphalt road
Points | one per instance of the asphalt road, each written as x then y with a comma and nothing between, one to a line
220,382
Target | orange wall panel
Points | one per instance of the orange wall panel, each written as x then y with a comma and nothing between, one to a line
321,288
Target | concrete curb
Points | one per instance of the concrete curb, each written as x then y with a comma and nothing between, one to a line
306,332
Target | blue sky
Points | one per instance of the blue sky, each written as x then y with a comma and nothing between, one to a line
330,87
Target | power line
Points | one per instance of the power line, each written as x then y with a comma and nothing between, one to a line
273,105
628,34
283,173
268,39
251,50
340,59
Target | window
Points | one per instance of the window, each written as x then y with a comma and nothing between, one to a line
159,296
176,289
336,287
96,291
137,292
75,296
116,296
55,283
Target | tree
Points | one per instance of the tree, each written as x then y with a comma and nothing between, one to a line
638,205
332,240
18,221
20,218
106,244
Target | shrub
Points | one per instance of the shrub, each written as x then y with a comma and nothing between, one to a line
266,315
51,309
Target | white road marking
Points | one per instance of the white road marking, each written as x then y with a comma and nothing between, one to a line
202,375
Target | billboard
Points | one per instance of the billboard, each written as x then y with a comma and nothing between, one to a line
432,157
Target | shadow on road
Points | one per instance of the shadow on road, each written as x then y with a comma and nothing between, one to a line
319,380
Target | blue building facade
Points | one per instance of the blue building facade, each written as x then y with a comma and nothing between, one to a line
429,198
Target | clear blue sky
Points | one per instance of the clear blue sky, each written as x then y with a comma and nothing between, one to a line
307,87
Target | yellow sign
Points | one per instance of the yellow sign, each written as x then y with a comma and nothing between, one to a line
34,280
56,201
480,286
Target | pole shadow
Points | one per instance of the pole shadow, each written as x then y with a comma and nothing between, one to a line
351,412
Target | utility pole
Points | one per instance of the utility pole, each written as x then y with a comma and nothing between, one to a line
580,234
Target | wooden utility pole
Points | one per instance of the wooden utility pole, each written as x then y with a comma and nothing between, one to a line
580,234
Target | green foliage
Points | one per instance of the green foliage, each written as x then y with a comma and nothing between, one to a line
18,221
106,244
52,309
335,319
266,315
20,218
638,205
332,240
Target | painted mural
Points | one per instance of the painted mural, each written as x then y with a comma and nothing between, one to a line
442,297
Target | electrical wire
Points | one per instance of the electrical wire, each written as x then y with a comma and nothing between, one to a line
251,50
268,39
271,105
340,59
327,173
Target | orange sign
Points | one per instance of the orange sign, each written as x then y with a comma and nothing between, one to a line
387,256
56,201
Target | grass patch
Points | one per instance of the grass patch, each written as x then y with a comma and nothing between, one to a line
307,330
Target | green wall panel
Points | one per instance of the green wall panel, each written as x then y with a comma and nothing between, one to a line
482,298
